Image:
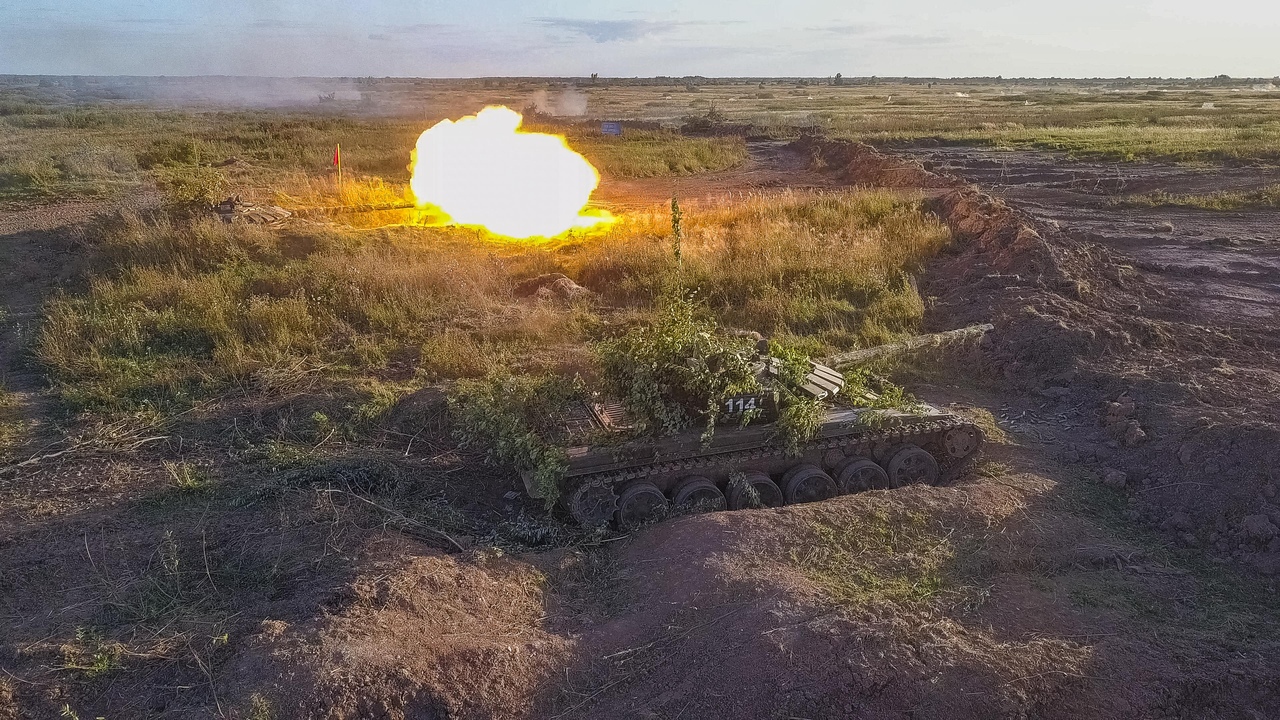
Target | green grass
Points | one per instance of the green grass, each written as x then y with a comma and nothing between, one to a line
56,149
1193,143
1268,197
175,312
647,154
62,143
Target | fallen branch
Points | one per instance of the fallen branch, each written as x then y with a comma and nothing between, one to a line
862,357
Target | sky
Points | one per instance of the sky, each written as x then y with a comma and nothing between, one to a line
479,38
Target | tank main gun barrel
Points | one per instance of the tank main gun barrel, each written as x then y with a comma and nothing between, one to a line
854,358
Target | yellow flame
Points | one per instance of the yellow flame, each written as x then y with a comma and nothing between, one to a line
482,170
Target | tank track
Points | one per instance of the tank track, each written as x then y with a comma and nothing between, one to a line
858,443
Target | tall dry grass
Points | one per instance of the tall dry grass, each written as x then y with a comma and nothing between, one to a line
177,312
831,267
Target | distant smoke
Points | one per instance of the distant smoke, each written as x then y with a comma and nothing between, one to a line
240,92
566,103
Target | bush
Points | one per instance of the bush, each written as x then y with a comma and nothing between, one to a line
191,191
677,370
514,420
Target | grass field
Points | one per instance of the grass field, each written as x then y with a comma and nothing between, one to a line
235,432
176,313
62,141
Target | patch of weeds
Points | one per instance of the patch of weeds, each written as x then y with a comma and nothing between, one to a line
987,423
589,579
455,354
191,191
526,531
1268,197
279,456
379,398
371,475
11,430
992,470
91,654
170,152
165,591
188,479
260,708
881,556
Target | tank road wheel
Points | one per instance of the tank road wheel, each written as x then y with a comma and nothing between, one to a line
641,503
593,506
807,483
754,490
858,474
909,465
698,494
962,441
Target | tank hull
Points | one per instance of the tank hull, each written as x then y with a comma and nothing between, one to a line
599,478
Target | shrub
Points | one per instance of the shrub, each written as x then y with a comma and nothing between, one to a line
189,191
514,420
676,371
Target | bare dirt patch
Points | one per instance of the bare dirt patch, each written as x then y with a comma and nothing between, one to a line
1177,361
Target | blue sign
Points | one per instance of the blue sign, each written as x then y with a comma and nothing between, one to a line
611,128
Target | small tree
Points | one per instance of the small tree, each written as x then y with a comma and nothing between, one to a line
839,79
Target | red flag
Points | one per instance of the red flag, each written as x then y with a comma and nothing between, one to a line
337,155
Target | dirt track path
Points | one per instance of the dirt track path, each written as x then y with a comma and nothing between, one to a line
1219,267
37,254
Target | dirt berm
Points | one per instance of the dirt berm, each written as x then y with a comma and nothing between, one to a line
1177,406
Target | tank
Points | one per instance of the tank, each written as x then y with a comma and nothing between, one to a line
856,448
235,210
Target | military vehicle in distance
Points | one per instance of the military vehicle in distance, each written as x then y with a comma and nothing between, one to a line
234,210
856,448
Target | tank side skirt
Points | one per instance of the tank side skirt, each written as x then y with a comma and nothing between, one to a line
920,433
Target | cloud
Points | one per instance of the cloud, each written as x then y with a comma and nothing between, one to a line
880,33
148,21
603,31
848,29
908,39
416,28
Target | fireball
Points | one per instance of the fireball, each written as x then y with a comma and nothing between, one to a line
482,170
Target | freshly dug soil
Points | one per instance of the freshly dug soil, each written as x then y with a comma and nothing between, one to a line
1160,328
